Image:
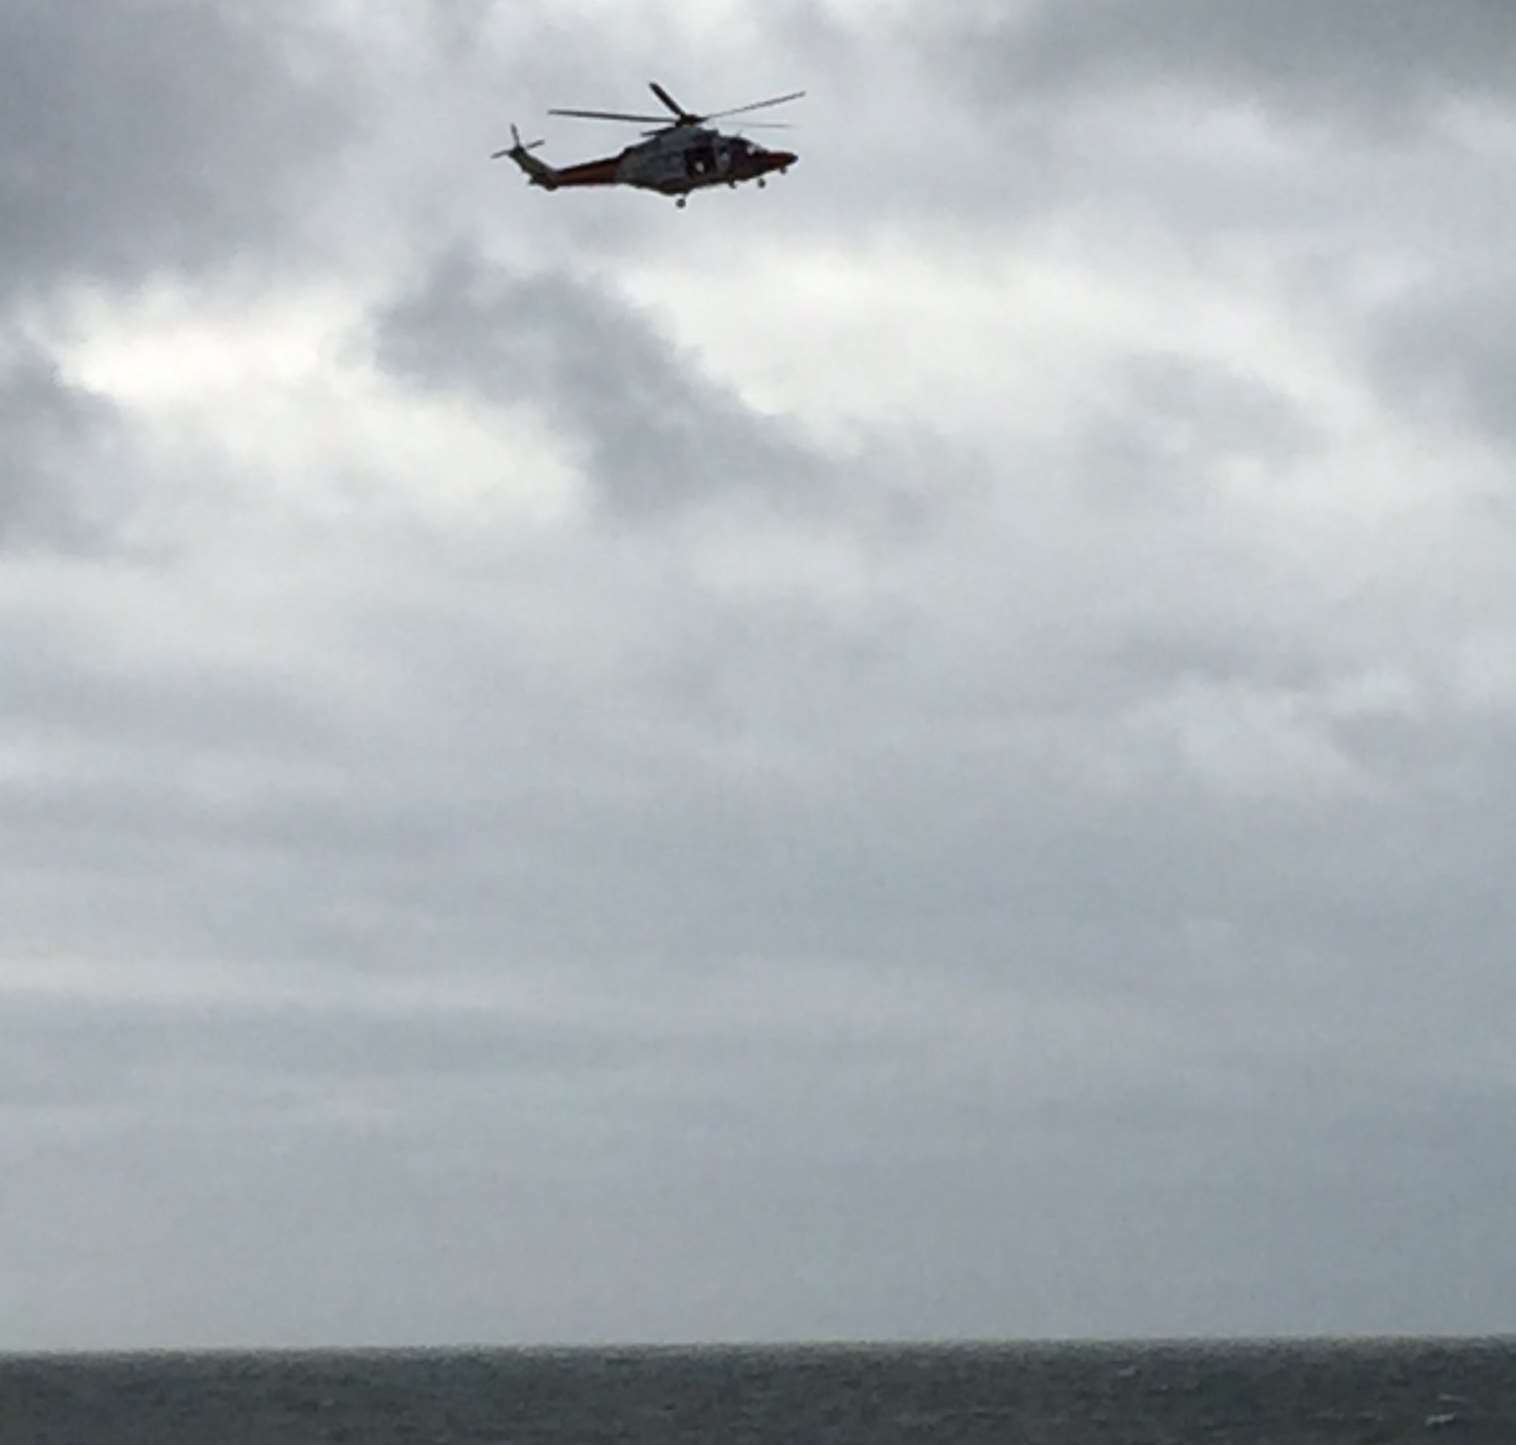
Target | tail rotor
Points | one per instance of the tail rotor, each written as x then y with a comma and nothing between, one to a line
538,173
516,146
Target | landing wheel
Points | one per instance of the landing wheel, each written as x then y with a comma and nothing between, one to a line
761,183
682,202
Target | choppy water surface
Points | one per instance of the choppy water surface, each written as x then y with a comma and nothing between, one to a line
1131,1394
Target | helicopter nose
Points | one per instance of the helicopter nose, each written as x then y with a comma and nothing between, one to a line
784,159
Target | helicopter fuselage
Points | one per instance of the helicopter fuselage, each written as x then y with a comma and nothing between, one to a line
673,163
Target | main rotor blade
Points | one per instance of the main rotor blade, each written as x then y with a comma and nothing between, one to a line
669,101
756,105
611,115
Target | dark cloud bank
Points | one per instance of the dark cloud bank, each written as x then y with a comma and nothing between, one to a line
1043,881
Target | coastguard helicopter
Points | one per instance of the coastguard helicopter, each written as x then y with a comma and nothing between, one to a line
680,156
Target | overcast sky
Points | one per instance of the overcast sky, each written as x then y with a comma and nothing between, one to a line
929,751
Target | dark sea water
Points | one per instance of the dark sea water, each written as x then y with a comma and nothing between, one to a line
1402,1391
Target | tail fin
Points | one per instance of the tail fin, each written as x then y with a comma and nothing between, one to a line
538,173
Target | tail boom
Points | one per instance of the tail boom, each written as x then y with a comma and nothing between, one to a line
590,173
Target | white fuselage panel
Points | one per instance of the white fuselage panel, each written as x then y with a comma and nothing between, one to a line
678,161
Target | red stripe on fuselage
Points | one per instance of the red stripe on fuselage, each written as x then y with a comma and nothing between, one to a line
590,173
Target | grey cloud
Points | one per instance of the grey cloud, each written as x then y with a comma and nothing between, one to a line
1306,139
656,435
1020,880
65,473
1373,63
1176,426
1280,1205
137,138
64,1052
1445,353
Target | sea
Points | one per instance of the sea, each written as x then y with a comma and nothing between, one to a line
1048,1394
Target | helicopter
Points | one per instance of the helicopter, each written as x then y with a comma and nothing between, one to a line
677,157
